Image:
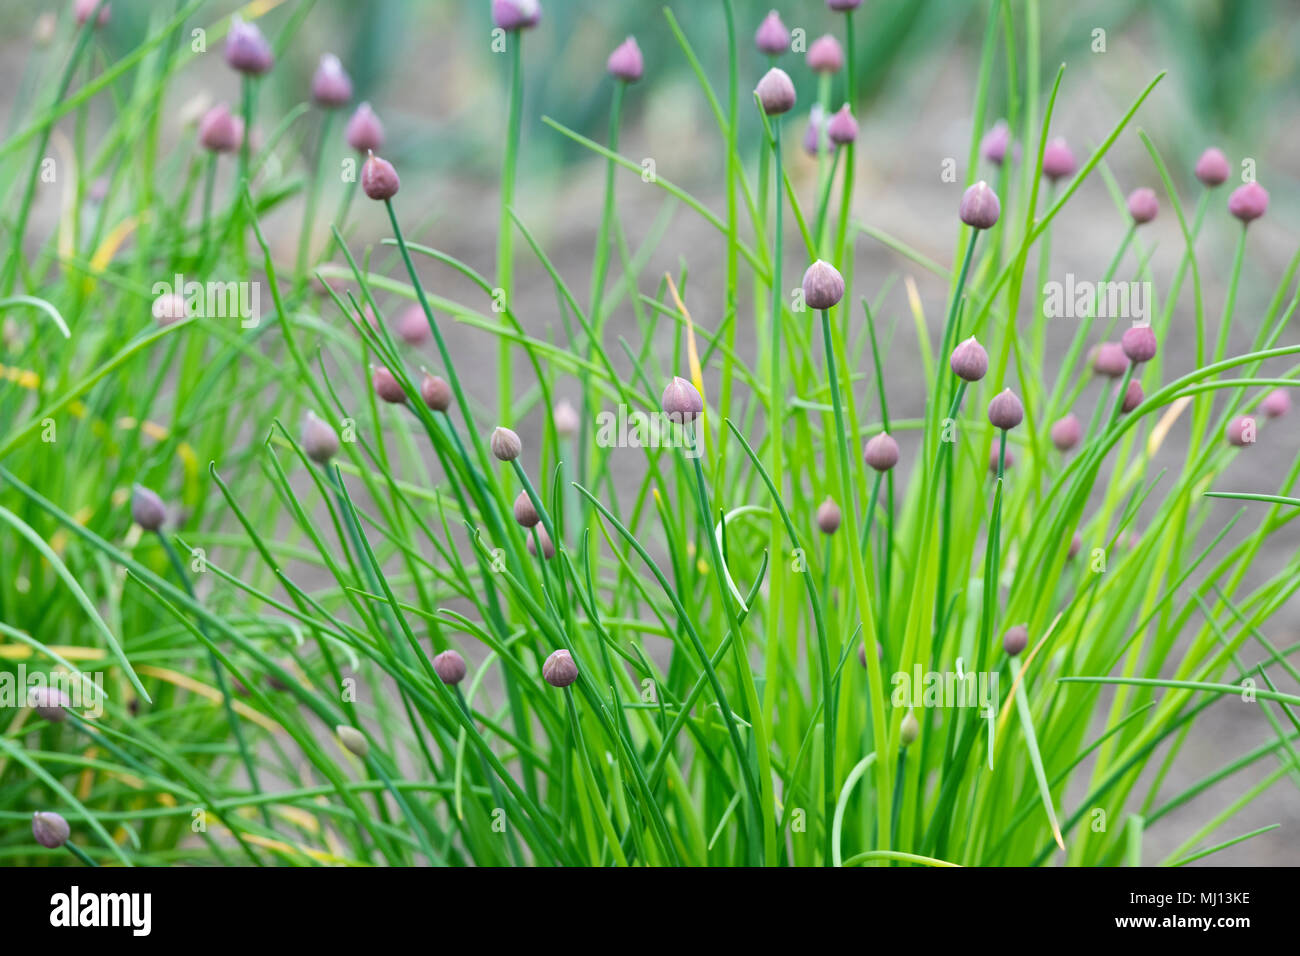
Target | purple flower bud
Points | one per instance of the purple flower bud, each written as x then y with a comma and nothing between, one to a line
910,728
436,392
147,509
412,326
364,131
772,37
506,445
450,667
220,131
1142,205
50,829
980,207
82,10
353,740
50,703
548,546
246,49
881,452
319,440
1015,640
1005,411
626,62
559,669
1241,431
843,6
379,178
969,361
1058,161
812,137
842,128
1007,461
828,516
1067,432
1108,359
823,286
681,401
330,85
993,146
1139,344
1248,202
170,308
825,55
1133,396
525,512
1212,168
1075,544
386,386
775,92
516,14
565,418
1276,404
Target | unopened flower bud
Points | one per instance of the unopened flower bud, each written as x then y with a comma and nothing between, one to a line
1015,640
772,37
842,128
565,418
909,729
969,361
319,440
412,326
525,512
1058,161
516,14
170,308
1143,205
82,10
828,516
1005,411
825,55
881,452
246,49
823,286
812,137
331,86
1139,344
979,207
50,829
559,669
843,6
50,703
354,740
1276,404
993,146
548,546
147,509
220,131
387,387
1132,396
450,667
1241,431
364,131
436,392
1248,202
1067,432
775,92
626,62
506,445
1212,168
1109,360
379,178
1008,459
681,401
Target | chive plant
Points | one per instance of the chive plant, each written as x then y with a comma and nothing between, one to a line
396,626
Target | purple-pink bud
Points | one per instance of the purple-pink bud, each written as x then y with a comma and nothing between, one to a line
993,146
1007,462
436,392
505,444
559,670
450,667
548,546
1212,168
516,14
1058,161
412,326
843,6
330,86
1139,344
775,92
626,62
1142,205
82,10
1015,640
319,441
1005,411
170,308
812,137
979,207
525,511
386,386
1133,396
825,55
1241,431
147,509
1109,360
772,37
881,452
50,829
842,128
823,286
1276,404
681,401
379,178
969,361
220,131
565,418
50,703
1066,432
246,49
365,132
1248,202
828,516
